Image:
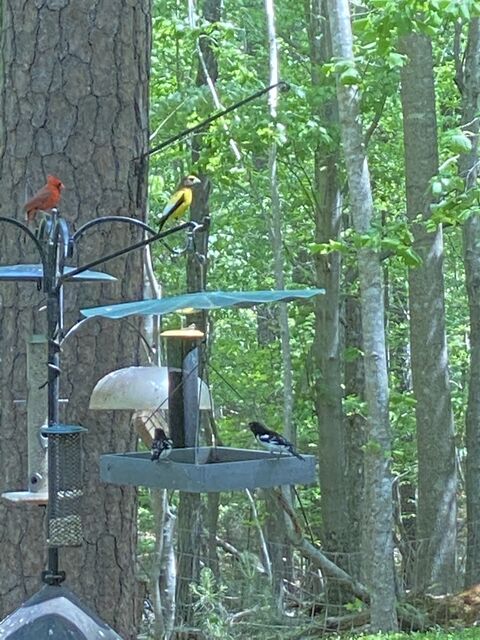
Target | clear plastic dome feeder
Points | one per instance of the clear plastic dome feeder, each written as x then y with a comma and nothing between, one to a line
138,388
65,490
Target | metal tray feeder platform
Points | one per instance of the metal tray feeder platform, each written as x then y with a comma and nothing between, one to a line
215,469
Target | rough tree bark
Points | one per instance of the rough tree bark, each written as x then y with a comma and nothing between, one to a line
74,99
436,503
378,484
468,165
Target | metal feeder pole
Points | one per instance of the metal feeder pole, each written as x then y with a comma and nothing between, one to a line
54,292
37,415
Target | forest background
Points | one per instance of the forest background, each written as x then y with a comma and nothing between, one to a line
360,179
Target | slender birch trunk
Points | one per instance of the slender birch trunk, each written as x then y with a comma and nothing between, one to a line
276,538
378,484
275,230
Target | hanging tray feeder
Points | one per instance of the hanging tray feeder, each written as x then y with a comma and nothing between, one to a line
204,469
208,469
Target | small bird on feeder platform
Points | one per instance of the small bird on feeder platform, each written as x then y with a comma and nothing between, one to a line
271,440
161,446
180,200
46,198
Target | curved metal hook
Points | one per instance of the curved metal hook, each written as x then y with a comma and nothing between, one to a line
29,233
125,219
62,227
73,329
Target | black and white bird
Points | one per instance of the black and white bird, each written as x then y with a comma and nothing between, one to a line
161,445
272,440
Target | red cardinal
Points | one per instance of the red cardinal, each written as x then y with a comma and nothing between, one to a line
46,198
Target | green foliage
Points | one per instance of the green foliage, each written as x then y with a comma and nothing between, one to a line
394,239
244,372
210,615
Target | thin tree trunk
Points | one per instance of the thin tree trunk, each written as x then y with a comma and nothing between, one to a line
327,345
190,504
159,507
162,573
275,231
437,484
356,430
468,164
267,563
278,549
378,484
74,102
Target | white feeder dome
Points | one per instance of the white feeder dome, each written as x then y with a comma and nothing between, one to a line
139,388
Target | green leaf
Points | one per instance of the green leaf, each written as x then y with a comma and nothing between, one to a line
460,143
396,60
391,244
411,258
350,76
361,25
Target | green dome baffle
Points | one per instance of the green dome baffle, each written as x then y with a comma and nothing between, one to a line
198,301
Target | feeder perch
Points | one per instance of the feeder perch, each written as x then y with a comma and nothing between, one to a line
65,474
137,388
208,469
185,333
55,612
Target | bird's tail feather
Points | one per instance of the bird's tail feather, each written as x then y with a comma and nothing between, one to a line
294,453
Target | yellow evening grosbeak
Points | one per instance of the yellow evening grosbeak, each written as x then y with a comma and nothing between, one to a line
180,200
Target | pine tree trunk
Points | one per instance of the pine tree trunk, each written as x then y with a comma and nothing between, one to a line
74,102
471,241
379,516
437,483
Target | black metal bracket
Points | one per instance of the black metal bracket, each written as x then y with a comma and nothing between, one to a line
53,579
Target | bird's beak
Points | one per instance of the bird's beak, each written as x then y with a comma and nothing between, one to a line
196,180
